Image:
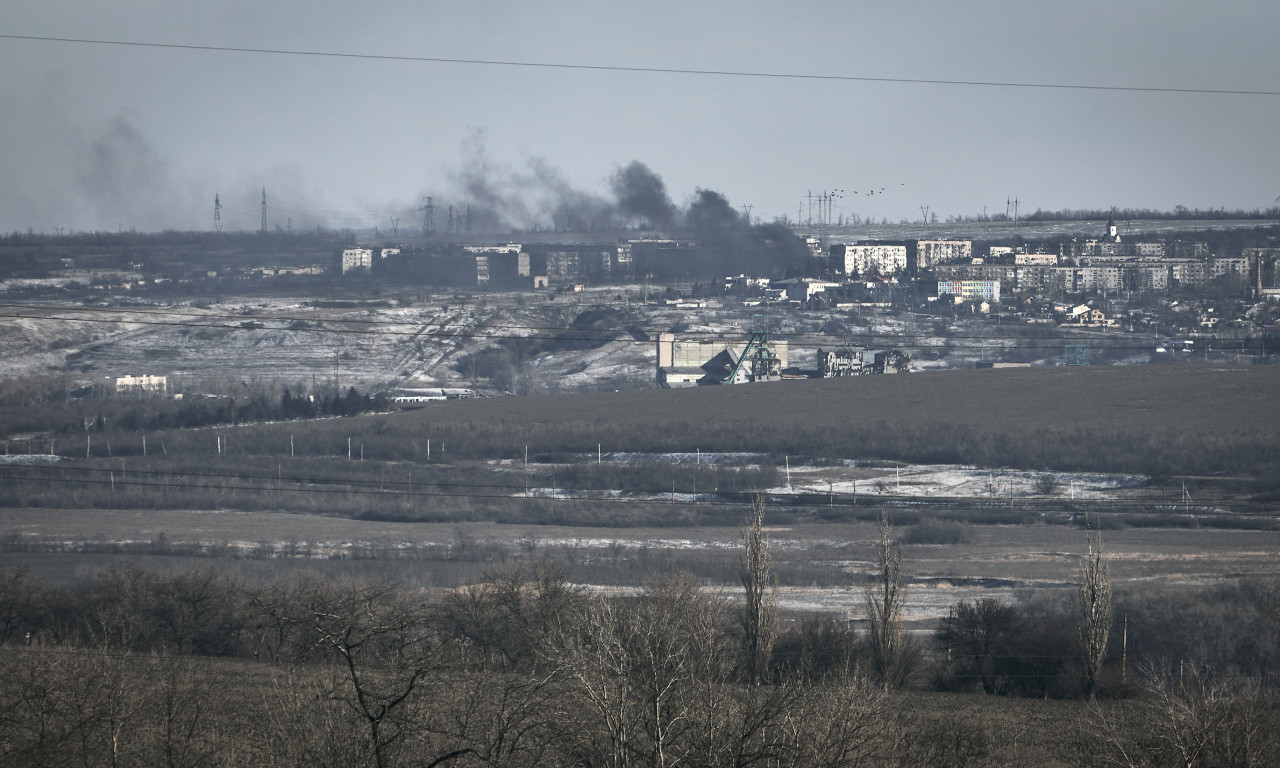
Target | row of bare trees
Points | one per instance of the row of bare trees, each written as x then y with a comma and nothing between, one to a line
523,668
520,670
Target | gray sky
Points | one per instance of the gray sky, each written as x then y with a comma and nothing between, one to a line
100,137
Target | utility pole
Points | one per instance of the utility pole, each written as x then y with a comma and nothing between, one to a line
395,229
747,213
264,210
924,212
217,213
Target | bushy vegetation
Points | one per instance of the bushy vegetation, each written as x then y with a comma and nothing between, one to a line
521,668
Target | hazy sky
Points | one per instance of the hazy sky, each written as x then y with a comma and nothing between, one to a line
100,137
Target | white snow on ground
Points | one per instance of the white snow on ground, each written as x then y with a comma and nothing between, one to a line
391,345
849,603
687,457
956,481
29,458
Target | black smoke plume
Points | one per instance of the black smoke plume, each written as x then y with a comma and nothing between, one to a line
642,196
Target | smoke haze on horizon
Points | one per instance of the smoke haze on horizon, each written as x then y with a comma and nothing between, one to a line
106,137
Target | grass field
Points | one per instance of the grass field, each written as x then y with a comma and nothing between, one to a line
1176,419
1212,429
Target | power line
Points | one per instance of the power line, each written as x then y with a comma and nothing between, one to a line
645,70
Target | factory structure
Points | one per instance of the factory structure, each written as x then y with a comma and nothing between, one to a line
701,362
756,357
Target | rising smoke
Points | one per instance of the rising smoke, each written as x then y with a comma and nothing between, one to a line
642,196
538,196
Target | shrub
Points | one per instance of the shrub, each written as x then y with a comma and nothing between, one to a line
931,531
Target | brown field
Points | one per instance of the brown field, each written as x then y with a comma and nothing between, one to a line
823,567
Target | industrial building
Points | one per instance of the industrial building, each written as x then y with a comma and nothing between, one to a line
700,362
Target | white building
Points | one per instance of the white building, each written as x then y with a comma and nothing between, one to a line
507,248
866,258
139,385
803,288
356,258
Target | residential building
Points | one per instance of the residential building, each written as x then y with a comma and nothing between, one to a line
931,252
1036,259
865,258
356,258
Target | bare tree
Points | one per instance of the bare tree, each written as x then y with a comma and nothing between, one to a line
649,677
1187,717
760,614
890,654
1095,613
383,655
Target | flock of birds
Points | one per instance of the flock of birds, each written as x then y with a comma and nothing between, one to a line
873,191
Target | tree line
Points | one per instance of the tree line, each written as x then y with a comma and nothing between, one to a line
524,668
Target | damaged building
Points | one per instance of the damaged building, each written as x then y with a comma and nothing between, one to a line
856,361
701,362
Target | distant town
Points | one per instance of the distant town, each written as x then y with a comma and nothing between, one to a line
722,305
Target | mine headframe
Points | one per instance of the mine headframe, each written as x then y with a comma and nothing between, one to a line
758,362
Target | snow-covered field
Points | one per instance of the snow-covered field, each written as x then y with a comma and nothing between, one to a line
291,341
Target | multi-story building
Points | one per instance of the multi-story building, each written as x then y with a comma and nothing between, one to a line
1187,272
839,362
1036,259
1100,278
1046,279
1229,265
971,290
865,258
931,252
1179,249
356,258
1005,273
1146,277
